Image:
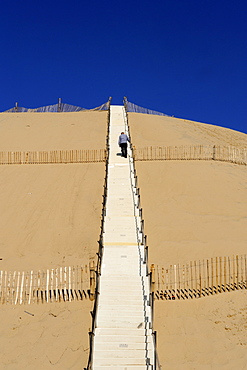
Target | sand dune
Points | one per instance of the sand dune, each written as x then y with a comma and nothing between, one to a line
50,217
194,210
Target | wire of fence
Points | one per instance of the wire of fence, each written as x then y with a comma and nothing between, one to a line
58,107
199,278
192,152
51,285
131,107
53,156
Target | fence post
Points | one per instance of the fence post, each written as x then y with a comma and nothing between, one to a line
8,287
69,290
51,287
214,150
13,288
187,285
152,273
229,274
179,286
234,273
191,279
56,284
65,283
216,268
183,279
220,261
22,283
224,273
208,276
162,283
242,272
204,275
237,263
196,291
92,280
245,271
175,280
200,280
212,275
47,285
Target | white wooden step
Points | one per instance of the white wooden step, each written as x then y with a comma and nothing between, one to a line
123,339
121,353
121,309
110,299
122,331
124,291
123,346
128,322
125,367
119,361
135,282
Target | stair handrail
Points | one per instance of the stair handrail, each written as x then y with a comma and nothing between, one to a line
100,249
143,241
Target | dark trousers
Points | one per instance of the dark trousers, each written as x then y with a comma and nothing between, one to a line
123,147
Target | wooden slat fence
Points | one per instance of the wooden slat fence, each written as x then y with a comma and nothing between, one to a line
53,156
54,285
197,152
199,278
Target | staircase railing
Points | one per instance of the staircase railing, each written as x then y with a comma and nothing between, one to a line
100,250
148,299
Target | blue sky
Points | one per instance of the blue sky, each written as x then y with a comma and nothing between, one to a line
183,58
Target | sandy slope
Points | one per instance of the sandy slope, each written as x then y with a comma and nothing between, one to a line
157,130
52,131
205,334
56,337
50,214
194,210
50,217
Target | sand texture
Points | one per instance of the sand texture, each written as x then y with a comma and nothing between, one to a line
50,214
158,130
205,334
55,336
194,210
52,131
50,217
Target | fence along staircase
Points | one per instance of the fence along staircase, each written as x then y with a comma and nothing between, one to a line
123,333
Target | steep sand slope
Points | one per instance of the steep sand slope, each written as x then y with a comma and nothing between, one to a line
207,333
52,131
56,337
158,130
50,214
50,217
194,210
